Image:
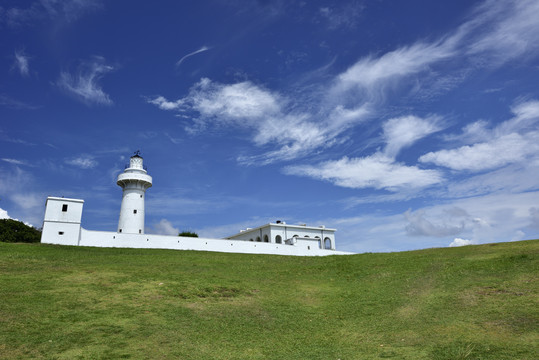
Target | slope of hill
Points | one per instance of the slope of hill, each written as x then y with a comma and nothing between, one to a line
473,302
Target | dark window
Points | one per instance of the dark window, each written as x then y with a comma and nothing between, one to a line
278,239
120,230
60,233
134,211
64,207
139,231
141,196
327,243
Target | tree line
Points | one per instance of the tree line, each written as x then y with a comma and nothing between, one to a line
15,231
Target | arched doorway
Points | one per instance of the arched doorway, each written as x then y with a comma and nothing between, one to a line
278,239
327,243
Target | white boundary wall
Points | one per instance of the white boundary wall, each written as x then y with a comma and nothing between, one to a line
148,241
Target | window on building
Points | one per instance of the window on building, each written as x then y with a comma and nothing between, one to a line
120,230
278,239
258,238
134,211
251,239
327,243
64,207
266,239
60,233
139,230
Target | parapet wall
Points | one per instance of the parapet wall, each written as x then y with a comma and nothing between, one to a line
148,241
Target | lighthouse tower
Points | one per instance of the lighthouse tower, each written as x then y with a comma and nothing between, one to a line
134,182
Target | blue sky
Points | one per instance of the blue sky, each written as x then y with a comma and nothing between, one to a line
404,125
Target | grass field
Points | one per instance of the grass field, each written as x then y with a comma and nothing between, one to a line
473,302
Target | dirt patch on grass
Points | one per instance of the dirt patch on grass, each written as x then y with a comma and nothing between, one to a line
492,290
417,295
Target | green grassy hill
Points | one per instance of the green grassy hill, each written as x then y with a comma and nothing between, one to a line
473,302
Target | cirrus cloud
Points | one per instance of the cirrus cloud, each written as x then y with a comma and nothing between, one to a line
509,142
84,84
376,171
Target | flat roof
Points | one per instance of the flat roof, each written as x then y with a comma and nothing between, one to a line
64,199
295,226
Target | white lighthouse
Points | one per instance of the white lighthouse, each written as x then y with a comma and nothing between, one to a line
134,182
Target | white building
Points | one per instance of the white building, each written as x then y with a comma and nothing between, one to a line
282,233
62,225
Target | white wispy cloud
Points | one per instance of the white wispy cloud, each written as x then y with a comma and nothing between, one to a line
534,218
66,11
242,103
509,142
499,152
27,200
460,242
4,214
250,106
84,84
21,63
490,217
453,222
290,125
17,189
376,171
164,227
202,49
163,104
341,15
10,102
371,72
515,178
266,113
402,132
83,162
380,170
14,161
502,30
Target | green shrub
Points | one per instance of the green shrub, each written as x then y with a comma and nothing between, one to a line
188,234
16,231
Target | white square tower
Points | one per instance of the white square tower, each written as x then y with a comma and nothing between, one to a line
62,221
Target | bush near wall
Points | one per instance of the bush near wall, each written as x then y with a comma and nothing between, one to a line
188,234
16,231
